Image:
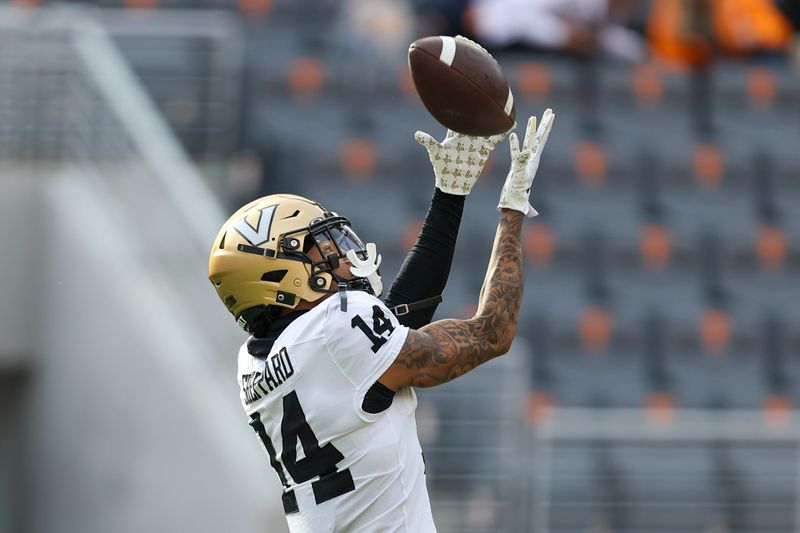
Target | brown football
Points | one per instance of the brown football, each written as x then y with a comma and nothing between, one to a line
461,85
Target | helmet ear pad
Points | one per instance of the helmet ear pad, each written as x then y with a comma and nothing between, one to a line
319,281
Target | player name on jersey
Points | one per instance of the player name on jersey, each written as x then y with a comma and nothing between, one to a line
277,369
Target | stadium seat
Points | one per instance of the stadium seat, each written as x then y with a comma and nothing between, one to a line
141,4
762,87
539,408
714,327
708,165
255,10
771,247
359,159
590,163
595,326
539,244
777,411
406,84
534,80
305,77
660,408
655,246
647,85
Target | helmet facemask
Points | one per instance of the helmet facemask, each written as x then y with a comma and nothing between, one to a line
333,238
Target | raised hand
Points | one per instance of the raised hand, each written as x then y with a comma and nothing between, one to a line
524,164
458,160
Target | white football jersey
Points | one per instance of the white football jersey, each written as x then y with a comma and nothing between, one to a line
342,469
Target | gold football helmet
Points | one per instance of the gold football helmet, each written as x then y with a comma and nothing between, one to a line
260,256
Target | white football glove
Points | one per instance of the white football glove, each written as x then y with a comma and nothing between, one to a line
367,268
458,160
524,164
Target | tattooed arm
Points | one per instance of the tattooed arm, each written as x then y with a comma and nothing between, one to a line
446,349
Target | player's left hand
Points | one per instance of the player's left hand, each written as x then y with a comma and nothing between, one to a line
524,164
459,159
367,268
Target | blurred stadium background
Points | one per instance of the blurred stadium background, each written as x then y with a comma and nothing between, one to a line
654,382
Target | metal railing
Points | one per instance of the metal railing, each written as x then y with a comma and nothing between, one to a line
703,470
67,96
191,63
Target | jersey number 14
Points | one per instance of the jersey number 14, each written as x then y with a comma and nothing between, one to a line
320,461
380,325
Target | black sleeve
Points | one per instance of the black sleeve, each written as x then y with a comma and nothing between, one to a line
427,266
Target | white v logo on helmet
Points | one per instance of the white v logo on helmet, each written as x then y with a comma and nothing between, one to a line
260,234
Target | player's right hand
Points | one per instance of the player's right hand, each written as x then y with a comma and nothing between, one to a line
524,164
458,160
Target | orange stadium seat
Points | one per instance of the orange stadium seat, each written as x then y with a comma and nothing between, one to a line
655,245
647,85
660,408
406,83
708,164
140,4
595,329
305,77
591,162
359,158
255,9
539,244
762,86
539,408
715,327
777,411
771,247
534,80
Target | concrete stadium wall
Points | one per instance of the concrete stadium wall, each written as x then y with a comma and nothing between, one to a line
124,425
18,201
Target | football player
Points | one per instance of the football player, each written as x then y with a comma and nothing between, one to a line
326,377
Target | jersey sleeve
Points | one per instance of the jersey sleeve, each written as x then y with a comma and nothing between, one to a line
362,340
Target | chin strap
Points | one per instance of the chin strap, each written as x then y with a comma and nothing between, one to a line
343,295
